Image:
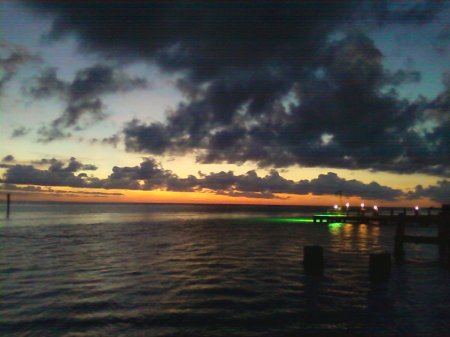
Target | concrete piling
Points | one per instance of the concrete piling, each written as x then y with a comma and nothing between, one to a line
313,261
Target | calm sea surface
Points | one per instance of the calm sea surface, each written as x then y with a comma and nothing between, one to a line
196,270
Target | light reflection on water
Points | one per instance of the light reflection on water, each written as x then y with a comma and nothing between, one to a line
203,274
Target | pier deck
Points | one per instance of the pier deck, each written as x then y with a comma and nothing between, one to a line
376,219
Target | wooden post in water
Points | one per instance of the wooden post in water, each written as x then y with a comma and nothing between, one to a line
313,260
380,266
444,235
398,240
8,204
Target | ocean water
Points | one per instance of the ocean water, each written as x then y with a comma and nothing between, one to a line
199,270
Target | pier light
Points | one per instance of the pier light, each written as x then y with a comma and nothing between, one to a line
375,210
347,205
336,207
416,208
362,205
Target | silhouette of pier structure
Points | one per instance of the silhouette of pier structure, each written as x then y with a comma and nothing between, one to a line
376,219
402,221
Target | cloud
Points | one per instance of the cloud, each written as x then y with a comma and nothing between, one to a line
82,95
112,140
276,83
30,190
206,38
149,175
439,192
344,113
442,42
8,159
27,174
20,132
58,173
152,138
12,58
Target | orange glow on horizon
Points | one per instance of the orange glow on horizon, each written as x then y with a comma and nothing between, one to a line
68,194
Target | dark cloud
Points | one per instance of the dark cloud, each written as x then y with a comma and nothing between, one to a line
82,95
112,140
345,113
50,133
8,159
442,42
72,165
45,85
28,175
20,132
153,138
58,173
209,37
439,192
278,83
149,175
12,57
29,190
406,11
326,184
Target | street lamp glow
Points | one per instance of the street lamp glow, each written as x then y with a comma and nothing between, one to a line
375,208
362,205
347,205
336,207
416,208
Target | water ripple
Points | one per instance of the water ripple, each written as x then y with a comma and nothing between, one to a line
206,278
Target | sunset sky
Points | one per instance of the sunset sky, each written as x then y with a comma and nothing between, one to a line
272,102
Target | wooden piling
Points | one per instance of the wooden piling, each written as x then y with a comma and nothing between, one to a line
444,236
380,266
8,204
399,253
313,260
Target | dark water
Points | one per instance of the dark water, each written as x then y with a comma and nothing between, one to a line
180,270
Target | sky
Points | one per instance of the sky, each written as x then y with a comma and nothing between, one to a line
258,102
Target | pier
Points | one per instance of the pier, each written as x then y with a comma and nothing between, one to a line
423,220
402,221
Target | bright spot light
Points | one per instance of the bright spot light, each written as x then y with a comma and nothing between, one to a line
335,206
416,208
347,205
375,207
362,205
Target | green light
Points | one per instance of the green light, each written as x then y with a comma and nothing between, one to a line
288,220
331,215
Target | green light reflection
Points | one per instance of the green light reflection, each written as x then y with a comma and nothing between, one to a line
335,227
335,224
